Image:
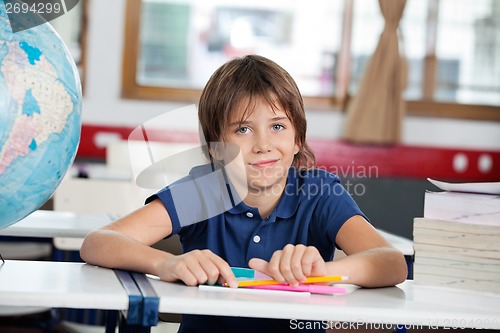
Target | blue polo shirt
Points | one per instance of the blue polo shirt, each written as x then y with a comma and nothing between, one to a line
311,211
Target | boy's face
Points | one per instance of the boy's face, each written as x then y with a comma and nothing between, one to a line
267,143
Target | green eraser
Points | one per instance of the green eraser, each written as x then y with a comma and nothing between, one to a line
240,272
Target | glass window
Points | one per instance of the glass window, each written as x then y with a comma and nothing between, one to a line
414,28
183,42
367,26
451,46
468,52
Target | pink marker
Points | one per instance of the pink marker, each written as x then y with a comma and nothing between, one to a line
311,288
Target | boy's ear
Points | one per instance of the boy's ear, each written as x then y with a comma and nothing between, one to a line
212,152
296,148
217,150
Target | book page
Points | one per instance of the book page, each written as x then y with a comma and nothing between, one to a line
483,187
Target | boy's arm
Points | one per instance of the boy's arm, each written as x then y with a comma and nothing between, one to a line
370,262
126,244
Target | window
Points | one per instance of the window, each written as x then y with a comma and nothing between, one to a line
468,52
173,46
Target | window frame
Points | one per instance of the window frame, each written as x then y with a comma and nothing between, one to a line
426,107
83,41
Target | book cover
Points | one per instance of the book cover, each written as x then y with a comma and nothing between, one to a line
466,271
452,260
463,207
457,239
477,187
439,249
425,223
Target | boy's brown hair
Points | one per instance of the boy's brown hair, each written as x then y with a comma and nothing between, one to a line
245,80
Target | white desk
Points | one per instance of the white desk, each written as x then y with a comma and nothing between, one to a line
404,304
77,285
28,284
49,224
60,285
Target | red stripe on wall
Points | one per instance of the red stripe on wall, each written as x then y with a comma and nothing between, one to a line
90,138
345,159
402,161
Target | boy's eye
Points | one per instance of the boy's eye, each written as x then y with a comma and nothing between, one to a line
278,127
242,130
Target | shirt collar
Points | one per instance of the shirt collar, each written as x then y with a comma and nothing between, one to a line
288,203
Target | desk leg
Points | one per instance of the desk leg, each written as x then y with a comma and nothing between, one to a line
123,327
142,312
409,264
111,321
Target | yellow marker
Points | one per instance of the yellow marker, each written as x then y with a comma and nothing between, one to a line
312,279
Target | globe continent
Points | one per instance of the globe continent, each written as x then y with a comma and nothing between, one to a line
40,107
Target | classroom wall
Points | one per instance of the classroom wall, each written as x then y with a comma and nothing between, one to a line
390,203
102,103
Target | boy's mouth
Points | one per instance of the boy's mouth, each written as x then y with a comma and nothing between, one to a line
264,163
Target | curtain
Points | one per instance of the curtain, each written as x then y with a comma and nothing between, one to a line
376,112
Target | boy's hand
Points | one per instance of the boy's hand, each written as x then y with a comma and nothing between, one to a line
292,264
198,267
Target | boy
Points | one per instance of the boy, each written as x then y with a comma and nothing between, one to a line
285,218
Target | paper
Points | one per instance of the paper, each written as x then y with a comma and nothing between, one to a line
482,187
253,291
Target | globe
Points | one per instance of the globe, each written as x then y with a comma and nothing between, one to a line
40,108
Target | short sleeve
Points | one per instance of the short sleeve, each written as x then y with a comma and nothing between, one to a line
165,197
197,197
334,208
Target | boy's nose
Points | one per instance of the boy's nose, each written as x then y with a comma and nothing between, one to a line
263,143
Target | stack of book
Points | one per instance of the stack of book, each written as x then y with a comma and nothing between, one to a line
457,242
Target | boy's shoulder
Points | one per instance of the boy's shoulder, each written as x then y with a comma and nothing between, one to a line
196,172
201,170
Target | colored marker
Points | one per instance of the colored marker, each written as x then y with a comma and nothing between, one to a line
312,279
311,288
